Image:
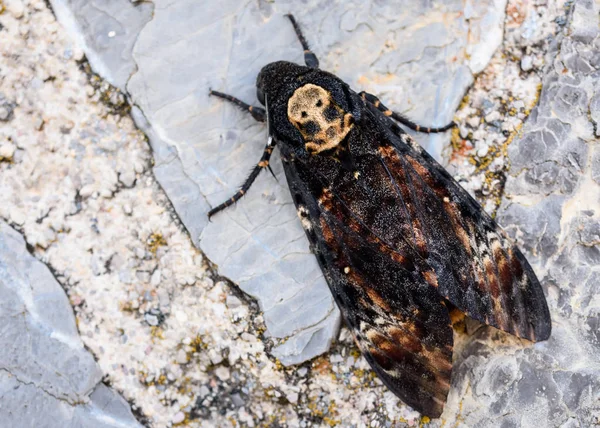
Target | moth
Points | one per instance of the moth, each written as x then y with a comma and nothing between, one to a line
400,242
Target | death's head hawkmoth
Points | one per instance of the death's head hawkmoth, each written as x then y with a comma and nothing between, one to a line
400,242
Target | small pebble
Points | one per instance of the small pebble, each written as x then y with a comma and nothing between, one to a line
493,116
5,112
233,302
474,121
143,276
16,8
163,297
181,357
38,122
17,216
526,63
7,150
155,278
178,418
222,373
482,151
151,319
127,178
86,191
204,391
215,356
237,400
464,131
336,358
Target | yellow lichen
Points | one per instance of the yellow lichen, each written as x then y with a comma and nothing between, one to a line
464,102
459,417
511,137
536,99
331,410
198,344
157,332
126,307
314,409
278,365
185,387
456,140
270,421
155,241
355,353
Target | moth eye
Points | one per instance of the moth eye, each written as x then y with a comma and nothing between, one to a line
304,114
319,103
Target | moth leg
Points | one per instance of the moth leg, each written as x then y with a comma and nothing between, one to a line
258,113
310,59
372,99
263,163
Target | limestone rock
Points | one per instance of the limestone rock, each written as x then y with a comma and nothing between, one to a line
47,377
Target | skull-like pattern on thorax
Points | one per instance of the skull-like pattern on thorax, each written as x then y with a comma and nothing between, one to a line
322,123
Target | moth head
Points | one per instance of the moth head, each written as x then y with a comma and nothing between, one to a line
308,108
321,121
275,76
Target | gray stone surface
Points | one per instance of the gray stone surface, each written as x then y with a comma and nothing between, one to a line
47,377
222,376
552,207
204,148
106,30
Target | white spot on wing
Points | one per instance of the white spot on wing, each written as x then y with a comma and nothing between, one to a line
303,215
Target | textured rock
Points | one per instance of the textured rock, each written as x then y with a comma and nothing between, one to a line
47,377
106,30
120,254
552,207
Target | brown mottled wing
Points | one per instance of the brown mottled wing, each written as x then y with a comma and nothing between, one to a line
469,259
399,321
478,269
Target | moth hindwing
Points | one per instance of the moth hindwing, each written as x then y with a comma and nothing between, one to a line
398,240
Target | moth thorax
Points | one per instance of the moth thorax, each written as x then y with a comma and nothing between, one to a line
322,123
